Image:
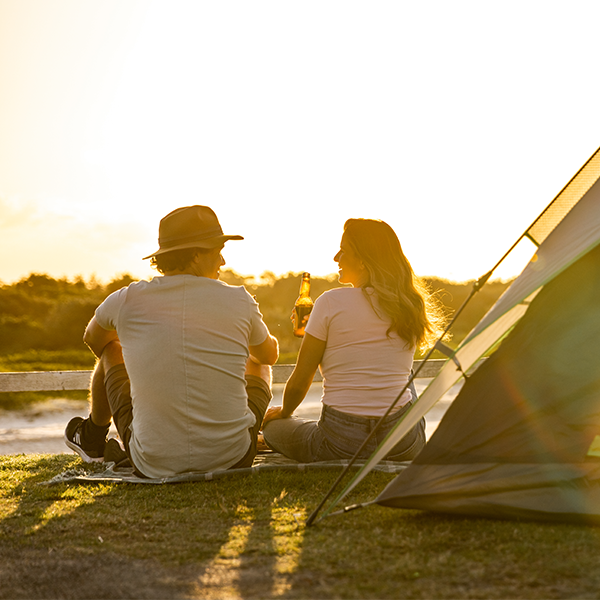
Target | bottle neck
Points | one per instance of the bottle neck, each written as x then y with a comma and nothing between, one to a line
305,286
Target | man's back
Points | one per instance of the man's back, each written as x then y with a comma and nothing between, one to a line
185,343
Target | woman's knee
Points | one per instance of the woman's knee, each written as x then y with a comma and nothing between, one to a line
271,431
291,437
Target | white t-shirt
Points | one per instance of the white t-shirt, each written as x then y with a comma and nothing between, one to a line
363,368
185,343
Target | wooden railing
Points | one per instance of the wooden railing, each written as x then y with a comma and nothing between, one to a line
62,381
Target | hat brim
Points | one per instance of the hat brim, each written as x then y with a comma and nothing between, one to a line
210,243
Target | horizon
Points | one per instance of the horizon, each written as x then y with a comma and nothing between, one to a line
257,279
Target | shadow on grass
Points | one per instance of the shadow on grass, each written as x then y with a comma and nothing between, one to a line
53,544
218,539
244,538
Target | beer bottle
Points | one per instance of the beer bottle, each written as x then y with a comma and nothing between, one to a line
303,306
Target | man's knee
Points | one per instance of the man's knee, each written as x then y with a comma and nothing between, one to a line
265,372
112,355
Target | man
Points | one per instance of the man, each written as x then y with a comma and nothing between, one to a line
184,359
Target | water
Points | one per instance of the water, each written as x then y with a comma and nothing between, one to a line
41,429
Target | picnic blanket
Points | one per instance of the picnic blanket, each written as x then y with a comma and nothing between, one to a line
267,461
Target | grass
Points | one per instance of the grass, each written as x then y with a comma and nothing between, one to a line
245,538
47,360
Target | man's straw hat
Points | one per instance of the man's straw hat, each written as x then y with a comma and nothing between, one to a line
190,227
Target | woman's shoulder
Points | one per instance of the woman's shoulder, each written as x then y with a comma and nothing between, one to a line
342,292
342,296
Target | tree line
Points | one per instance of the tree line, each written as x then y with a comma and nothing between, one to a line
43,313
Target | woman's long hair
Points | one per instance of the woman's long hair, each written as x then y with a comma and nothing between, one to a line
415,314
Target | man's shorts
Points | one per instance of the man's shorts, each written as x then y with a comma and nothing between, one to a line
118,391
259,397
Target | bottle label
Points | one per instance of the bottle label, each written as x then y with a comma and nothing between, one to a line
301,312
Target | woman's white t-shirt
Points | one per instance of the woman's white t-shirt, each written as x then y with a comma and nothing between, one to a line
364,369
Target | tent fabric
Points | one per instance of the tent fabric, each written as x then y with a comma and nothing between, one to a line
516,440
578,232
541,492
566,199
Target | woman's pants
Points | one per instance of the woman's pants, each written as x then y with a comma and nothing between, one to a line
338,435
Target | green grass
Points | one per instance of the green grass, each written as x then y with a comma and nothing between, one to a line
245,538
47,360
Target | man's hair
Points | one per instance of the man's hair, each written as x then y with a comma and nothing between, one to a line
177,260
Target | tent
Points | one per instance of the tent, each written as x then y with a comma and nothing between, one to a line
522,438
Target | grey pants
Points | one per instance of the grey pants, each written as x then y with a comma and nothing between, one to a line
338,435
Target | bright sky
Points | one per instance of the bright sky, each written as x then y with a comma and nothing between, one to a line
455,122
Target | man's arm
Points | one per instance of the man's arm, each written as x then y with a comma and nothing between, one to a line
266,353
97,338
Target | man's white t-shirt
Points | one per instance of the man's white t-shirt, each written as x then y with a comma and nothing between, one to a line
185,343
364,369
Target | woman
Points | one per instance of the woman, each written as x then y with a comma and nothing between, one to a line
364,339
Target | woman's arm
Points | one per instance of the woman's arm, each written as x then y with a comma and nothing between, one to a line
309,358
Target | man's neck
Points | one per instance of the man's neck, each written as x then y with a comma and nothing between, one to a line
187,271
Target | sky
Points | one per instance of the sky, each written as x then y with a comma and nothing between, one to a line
455,122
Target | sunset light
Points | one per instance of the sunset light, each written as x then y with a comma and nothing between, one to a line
456,123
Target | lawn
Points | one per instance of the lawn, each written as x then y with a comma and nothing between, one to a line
245,538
